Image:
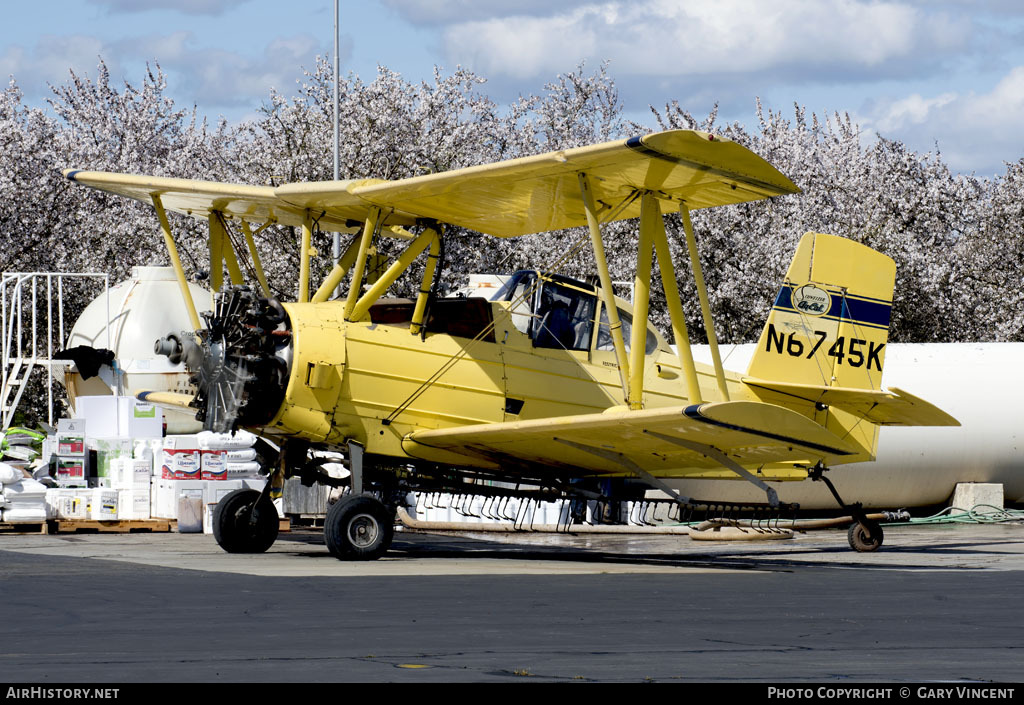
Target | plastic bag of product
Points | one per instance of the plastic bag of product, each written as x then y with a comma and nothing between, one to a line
237,470
241,456
23,488
10,474
208,440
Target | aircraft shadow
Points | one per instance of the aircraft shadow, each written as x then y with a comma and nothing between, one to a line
759,558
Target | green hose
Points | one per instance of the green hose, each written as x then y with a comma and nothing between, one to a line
978,514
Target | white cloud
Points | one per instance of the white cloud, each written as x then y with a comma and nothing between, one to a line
440,12
848,39
217,78
974,131
214,78
910,111
51,59
188,7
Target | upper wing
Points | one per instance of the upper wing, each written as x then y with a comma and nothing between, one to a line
542,193
516,197
257,204
751,433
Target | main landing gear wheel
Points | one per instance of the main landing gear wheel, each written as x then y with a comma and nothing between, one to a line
359,528
865,536
245,522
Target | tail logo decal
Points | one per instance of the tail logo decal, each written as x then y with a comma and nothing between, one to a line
811,300
839,306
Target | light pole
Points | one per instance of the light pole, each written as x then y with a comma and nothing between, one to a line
336,247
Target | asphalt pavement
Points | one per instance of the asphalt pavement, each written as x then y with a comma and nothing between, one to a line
936,603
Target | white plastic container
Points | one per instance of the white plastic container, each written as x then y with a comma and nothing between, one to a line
142,309
133,504
103,505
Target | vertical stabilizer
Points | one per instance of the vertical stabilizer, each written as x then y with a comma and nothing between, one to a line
830,321
828,328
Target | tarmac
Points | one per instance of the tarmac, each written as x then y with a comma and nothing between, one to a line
935,603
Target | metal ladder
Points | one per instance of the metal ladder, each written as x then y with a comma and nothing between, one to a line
28,338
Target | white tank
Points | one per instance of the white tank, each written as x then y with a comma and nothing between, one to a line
979,384
142,309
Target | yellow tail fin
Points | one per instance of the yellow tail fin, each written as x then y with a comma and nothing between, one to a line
830,321
828,329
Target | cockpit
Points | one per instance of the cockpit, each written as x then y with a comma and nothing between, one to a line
559,313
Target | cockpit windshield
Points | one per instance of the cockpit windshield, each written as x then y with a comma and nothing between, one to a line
555,311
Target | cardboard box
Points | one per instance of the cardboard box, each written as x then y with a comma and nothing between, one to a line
99,413
181,464
214,465
166,493
70,437
67,503
133,504
103,505
71,472
182,442
70,445
107,451
140,419
131,474
112,417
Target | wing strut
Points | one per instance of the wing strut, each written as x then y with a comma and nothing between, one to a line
607,293
705,307
650,218
725,460
425,286
179,273
675,309
338,273
304,256
370,229
630,466
250,240
428,236
222,252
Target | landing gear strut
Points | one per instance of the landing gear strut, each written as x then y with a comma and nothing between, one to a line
864,534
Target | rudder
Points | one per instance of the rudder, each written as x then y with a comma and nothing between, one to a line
829,324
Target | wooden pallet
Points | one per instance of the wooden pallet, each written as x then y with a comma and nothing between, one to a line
304,521
31,527
71,526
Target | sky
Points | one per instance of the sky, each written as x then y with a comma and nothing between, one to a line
946,74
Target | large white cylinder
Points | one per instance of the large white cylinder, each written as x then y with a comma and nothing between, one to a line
980,384
142,309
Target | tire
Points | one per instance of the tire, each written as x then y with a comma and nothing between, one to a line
359,528
232,526
865,537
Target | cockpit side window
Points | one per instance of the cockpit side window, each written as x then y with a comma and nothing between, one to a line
553,313
604,336
520,291
564,318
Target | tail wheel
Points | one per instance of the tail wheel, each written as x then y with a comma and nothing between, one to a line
245,522
359,528
865,536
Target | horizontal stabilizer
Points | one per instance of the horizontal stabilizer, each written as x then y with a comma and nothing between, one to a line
893,407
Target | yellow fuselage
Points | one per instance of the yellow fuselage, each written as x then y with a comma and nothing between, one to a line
348,377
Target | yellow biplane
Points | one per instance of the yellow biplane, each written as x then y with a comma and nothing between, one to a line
553,384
